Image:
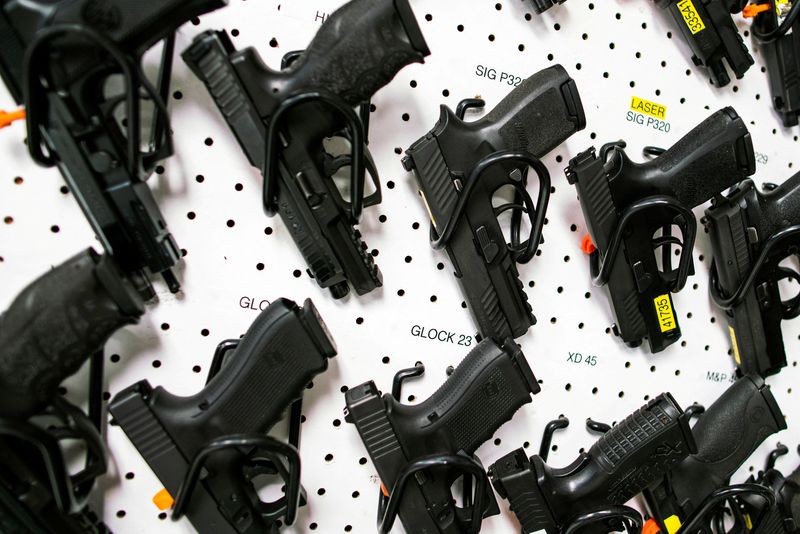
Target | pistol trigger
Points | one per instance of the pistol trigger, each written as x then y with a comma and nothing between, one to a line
515,175
762,295
489,248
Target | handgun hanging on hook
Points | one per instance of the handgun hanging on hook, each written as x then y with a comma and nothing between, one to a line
709,30
752,232
281,119
57,59
460,165
627,204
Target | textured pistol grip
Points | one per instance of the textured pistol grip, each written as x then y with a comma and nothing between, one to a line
540,113
361,47
484,392
715,155
637,451
281,352
733,427
51,328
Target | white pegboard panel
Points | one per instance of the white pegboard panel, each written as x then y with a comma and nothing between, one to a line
234,255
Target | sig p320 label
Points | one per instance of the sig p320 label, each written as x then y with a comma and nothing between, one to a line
691,17
666,317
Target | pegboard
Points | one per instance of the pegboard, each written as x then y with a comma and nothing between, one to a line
235,258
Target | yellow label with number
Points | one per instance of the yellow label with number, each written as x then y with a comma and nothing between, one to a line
666,319
691,17
735,346
673,523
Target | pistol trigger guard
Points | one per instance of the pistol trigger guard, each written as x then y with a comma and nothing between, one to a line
70,492
356,135
271,464
789,234
601,271
467,465
711,504
535,213
789,308
36,101
631,519
266,445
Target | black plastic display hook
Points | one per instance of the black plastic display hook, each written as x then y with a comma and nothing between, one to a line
468,466
693,522
357,144
263,445
630,517
726,303
601,270
547,435
536,214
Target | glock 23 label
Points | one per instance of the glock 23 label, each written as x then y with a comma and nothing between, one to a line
691,17
666,318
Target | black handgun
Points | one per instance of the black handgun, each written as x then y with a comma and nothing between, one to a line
709,30
782,516
727,434
751,233
358,50
420,450
55,324
778,31
221,430
589,493
27,504
630,210
57,58
459,167
543,5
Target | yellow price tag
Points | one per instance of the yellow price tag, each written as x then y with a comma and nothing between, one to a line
691,17
666,318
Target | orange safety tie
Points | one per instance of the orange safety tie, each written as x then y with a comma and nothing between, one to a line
752,10
651,527
163,500
586,245
7,117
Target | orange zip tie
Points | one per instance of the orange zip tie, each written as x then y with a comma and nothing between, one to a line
651,527
163,500
7,117
586,245
752,10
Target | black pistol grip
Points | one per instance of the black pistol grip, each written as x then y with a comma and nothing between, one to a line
727,434
209,58
791,492
55,324
358,50
282,351
645,444
538,115
715,155
631,456
484,392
